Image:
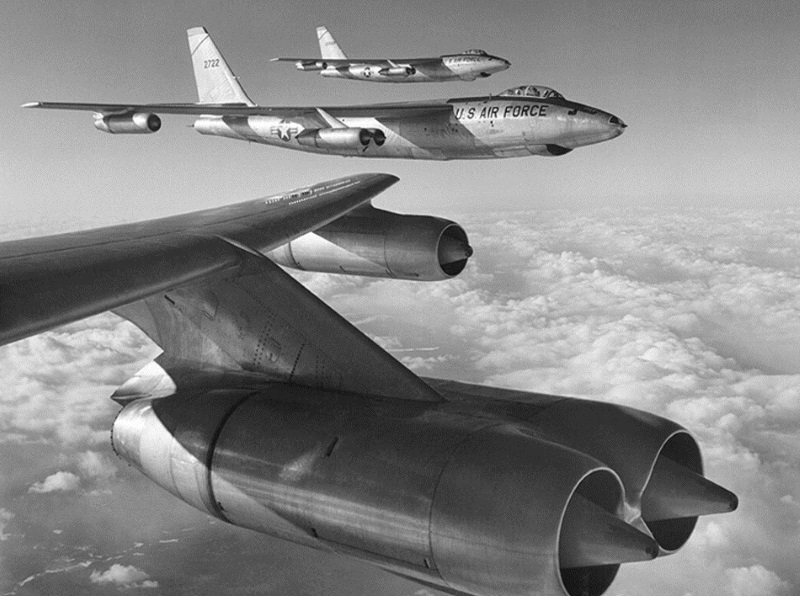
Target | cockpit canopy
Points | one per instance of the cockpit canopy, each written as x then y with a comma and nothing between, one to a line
532,91
475,52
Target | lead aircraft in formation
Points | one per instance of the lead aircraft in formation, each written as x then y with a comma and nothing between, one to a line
521,121
465,66
268,410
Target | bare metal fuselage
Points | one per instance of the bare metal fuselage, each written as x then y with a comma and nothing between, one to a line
457,67
475,128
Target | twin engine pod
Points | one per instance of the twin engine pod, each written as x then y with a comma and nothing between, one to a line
471,503
341,138
398,71
138,123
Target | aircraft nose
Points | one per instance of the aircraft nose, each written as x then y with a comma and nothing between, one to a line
616,121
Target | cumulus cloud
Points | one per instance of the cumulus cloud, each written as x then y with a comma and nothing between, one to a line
56,385
58,482
124,576
694,316
755,581
96,466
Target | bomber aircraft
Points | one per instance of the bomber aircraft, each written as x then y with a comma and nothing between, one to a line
464,66
270,411
525,120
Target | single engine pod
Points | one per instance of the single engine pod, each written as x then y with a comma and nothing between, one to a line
379,243
138,123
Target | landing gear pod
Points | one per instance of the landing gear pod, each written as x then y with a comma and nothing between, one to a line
138,123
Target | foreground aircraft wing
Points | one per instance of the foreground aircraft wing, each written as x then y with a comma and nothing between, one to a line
383,110
209,260
58,279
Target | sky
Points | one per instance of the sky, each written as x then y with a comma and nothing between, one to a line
705,88
657,270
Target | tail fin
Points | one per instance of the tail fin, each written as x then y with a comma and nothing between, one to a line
215,81
328,47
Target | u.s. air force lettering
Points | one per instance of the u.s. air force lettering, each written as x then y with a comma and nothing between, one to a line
507,111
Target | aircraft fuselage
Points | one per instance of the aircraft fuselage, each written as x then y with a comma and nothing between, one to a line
457,67
476,128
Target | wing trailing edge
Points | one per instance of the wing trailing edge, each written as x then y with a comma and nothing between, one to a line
257,324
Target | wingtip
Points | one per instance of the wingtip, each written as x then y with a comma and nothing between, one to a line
377,182
31,104
274,59
197,31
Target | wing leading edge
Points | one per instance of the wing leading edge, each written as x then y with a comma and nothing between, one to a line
199,285
386,110
45,282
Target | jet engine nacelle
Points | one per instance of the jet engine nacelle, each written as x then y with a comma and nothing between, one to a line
398,71
466,503
138,123
311,65
341,138
379,243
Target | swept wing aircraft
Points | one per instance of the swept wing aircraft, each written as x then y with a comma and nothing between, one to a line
521,121
464,66
270,411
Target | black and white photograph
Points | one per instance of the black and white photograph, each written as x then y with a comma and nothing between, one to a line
400,298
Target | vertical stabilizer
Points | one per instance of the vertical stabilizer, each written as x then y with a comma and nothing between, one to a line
215,81
328,47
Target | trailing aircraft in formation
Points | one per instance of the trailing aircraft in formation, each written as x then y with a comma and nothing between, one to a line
270,411
521,121
465,66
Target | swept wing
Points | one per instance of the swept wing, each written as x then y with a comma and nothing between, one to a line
382,110
54,280
214,256
383,62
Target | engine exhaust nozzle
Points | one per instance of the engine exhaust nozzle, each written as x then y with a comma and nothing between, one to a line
675,491
591,536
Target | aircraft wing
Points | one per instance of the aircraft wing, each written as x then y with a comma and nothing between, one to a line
383,110
335,62
49,281
199,285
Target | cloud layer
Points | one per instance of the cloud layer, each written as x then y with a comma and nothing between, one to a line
694,316
124,576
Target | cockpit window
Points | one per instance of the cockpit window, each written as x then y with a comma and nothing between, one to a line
537,91
475,52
